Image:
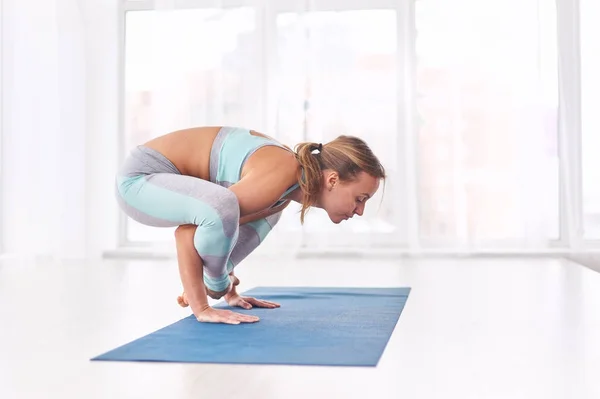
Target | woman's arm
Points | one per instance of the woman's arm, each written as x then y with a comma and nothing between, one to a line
263,214
260,189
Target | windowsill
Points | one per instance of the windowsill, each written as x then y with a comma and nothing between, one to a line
161,253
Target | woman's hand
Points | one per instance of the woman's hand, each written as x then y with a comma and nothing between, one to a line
236,300
211,315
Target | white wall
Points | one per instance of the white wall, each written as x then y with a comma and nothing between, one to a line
60,118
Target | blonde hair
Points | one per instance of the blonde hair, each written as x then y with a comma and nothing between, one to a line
346,155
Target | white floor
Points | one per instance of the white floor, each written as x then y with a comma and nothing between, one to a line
471,329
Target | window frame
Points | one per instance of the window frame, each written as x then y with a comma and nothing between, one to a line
591,241
2,24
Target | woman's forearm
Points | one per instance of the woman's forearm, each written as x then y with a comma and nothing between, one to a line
263,214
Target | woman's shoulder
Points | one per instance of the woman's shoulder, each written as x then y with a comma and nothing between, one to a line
273,160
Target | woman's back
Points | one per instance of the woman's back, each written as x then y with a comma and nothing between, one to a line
190,151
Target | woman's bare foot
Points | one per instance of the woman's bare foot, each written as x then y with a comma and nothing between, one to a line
182,300
218,294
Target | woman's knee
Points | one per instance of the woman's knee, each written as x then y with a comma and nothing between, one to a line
220,213
274,219
218,225
228,210
214,229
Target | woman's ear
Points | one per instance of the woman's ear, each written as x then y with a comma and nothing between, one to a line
332,180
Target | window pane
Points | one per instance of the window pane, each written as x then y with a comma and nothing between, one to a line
189,67
487,103
590,93
337,75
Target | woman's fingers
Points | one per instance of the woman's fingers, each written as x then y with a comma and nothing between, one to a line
245,318
261,303
245,304
242,317
238,301
211,315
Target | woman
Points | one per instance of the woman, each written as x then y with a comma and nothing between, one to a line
225,187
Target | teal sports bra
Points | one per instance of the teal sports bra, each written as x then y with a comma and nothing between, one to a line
236,146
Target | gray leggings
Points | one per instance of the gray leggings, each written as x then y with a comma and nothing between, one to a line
151,191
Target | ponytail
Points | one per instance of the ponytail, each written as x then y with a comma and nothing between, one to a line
311,178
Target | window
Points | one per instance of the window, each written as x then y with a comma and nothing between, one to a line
2,191
189,67
477,81
331,73
487,98
337,75
590,98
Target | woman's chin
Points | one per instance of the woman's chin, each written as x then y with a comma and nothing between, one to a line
338,219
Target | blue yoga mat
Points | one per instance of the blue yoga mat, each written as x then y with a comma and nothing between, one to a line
313,326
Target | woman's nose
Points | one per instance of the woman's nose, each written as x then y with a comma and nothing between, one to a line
359,210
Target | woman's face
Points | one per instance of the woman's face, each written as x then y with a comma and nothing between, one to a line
343,200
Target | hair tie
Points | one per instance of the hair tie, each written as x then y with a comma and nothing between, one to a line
320,148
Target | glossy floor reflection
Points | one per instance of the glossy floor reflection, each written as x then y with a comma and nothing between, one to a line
472,328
